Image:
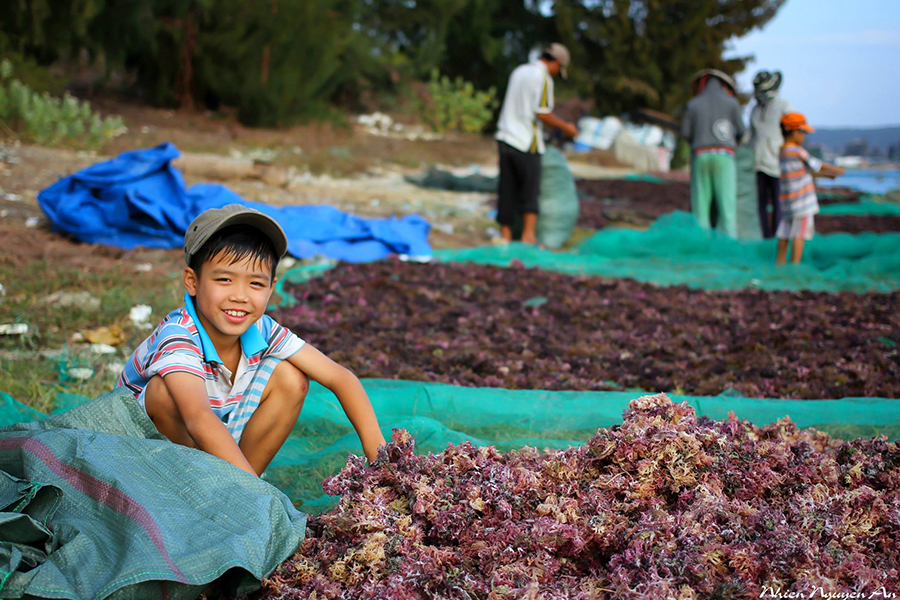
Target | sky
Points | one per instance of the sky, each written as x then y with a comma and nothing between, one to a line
840,60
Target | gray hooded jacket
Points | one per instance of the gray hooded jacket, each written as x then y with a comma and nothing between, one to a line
712,119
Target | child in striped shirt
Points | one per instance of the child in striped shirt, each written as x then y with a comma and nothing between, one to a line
219,374
798,191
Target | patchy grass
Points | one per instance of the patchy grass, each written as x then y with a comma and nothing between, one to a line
35,379
34,366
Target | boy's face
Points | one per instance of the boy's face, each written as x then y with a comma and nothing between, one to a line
229,297
797,136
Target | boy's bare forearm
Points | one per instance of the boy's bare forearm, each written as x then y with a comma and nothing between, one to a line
213,437
349,391
830,171
355,402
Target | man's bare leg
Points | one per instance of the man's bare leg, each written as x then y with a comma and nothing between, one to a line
275,417
506,233
529,228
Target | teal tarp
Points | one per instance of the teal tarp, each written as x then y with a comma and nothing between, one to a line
95,503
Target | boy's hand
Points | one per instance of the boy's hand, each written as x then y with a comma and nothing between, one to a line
349,391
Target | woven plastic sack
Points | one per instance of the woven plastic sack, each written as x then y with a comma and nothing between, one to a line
558,201
95,504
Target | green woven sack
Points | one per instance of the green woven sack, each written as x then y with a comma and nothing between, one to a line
558,202
95,504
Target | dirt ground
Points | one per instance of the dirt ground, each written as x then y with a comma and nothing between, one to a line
344,166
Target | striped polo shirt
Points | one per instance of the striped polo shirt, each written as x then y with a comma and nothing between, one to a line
798,191
180,344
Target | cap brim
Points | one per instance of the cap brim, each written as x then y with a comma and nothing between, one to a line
563,72
264,223
267,225
807,129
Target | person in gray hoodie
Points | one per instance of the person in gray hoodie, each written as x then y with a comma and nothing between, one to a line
766,139
712,124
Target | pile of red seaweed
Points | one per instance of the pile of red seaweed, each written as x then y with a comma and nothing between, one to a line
666,505
630,201
521,328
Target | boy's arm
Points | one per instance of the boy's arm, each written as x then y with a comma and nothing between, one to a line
349,391
830,171
211,435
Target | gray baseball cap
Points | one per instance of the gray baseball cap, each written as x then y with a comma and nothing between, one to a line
561,54
210,221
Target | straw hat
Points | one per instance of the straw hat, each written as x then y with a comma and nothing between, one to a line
724,77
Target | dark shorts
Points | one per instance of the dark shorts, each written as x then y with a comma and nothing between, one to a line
520,183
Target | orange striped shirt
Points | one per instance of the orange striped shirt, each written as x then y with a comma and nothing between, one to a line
798,191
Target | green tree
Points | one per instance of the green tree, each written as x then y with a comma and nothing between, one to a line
278,60
644,52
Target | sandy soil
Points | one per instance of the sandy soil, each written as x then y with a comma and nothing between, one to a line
343,166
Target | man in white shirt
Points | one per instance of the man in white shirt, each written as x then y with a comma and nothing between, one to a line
527,106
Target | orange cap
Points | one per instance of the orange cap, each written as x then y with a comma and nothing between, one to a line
795,120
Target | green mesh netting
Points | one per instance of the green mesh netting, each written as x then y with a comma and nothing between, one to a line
438,414
675,250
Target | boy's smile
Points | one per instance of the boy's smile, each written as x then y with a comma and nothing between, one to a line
229,297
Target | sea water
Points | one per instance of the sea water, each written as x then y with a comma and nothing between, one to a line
872,181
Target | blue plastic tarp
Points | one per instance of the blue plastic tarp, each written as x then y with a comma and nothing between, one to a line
140,199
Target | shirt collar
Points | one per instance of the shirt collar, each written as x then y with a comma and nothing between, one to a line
252,341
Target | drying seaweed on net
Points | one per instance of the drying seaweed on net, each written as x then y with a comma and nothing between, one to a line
635,202
519,328
857,223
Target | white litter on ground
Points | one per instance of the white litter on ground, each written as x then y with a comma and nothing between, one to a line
140,316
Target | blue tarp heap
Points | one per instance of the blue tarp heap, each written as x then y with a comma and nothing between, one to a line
140,199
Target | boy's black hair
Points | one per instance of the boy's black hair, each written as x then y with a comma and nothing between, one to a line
548,57
786,132
237,242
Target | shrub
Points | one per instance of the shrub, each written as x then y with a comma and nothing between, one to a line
455,105
51,121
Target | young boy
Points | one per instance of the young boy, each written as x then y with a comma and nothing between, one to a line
219,374
797,190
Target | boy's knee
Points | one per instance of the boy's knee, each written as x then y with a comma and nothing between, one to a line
290,382
157,398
